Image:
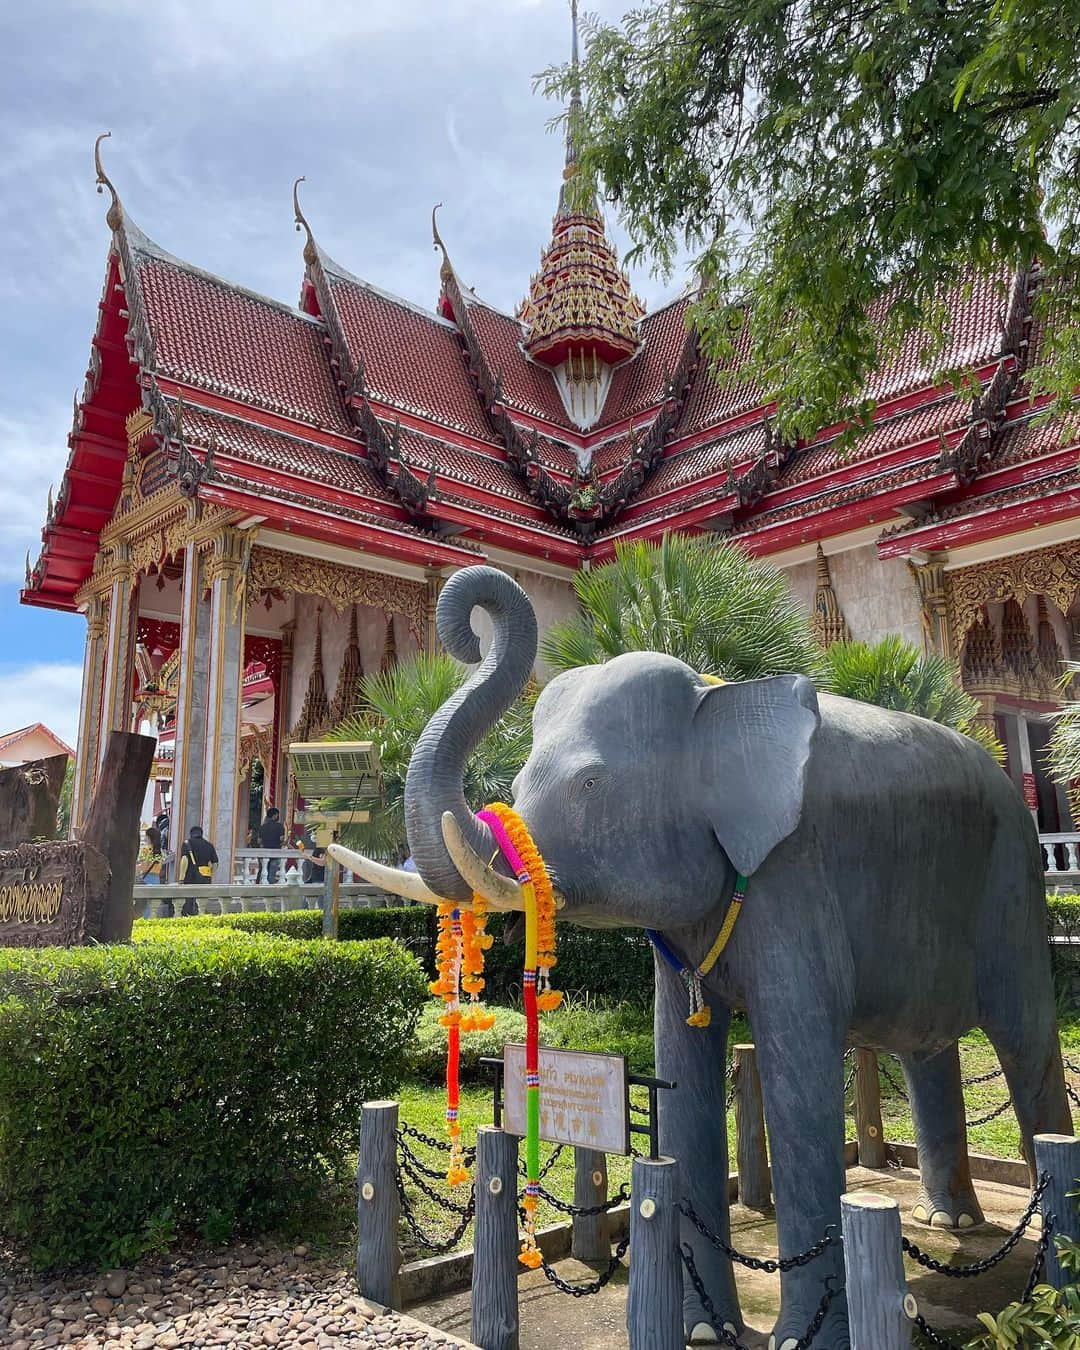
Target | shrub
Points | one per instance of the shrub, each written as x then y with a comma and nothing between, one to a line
613,964
179,1087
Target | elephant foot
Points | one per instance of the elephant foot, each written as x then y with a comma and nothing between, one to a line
942,1209
833,1335
703,1333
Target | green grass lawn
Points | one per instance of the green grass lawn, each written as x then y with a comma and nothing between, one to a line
628,1031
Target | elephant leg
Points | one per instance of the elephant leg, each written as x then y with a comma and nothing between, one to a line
800,1054
693,1128
947,1199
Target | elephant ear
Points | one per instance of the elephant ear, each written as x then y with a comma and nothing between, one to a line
754,740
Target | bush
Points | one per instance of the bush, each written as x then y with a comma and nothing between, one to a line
613,964
413,926
175,1088
622,1029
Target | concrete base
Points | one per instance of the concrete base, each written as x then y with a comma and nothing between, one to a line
599,1322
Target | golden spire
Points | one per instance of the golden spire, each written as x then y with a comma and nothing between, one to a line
311,252
115,214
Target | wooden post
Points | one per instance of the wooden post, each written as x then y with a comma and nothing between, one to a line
1059,1154
589,1242
751,1155
868,1126
880,1310
378,1258
112,824
29,797
495,1243
331,883
654,1303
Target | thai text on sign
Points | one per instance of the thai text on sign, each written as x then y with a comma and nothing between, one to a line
583,1098
30,902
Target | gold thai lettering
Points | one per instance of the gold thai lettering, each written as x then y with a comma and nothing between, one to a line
35,902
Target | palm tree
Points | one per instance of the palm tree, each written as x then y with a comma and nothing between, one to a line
708,603
1064,749
394,708
895,674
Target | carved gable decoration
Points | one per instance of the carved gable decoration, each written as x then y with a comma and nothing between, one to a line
827,622
1053,572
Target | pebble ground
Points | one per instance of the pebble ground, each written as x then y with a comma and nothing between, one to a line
248,1298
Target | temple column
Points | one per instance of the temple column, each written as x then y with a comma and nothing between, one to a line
1030,789
433,584
929,573
224,572
86,756
283,716
190,744
119,646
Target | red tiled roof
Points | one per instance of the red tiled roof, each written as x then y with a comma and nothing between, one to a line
638,385
691,466
974,504
526,387
412,360
11,737
714,399
229,341
839,496
468,467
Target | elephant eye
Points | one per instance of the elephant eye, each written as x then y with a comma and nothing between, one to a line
589,784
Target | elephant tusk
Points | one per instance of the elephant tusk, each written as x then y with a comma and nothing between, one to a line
392,879
500,892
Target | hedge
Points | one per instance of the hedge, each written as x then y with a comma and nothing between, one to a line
175,1089
613,964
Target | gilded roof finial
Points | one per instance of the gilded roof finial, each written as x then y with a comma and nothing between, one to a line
445,271
115,214
311,252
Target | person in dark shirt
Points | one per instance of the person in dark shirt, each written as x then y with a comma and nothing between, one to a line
272,835
198,858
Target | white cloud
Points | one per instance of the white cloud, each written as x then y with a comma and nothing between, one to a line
46,692
33,449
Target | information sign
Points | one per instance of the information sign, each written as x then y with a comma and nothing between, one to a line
583,1098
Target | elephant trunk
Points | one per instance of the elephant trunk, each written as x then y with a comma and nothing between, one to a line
434,782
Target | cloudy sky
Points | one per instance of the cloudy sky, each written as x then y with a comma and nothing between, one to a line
215,106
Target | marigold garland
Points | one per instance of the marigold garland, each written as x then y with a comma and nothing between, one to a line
522,855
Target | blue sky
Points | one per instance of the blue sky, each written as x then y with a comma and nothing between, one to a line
215,106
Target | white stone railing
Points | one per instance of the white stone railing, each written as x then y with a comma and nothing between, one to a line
1061,857
240,899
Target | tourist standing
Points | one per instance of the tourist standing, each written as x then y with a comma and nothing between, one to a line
149,863
198,858
272,835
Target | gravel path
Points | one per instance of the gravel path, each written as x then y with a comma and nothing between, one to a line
249,1298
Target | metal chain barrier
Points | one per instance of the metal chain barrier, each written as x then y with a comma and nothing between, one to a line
444,1202
990,1115
467,1153
986,1077
586,1287
729,1338
978,1267
932,1337
620,1198
769,1265
1073,1095
556,1154
411,1158
896,1087
437,1245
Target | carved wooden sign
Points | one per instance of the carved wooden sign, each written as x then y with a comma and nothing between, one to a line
52,895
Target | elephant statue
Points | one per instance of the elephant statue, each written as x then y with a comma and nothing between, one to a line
894,900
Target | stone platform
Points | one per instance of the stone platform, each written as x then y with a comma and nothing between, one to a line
598,1322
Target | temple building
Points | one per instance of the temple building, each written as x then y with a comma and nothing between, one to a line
261,501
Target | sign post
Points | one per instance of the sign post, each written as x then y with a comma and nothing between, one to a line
583,1098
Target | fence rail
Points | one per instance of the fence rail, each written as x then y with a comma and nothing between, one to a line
241,899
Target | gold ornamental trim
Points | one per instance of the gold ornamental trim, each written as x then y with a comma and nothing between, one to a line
342,586
1053,572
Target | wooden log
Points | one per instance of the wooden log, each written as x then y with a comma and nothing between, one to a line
880,1309
868,1126
112,823
378,1208
590,1242
495,1244
1059,1155
29,798
751,1155
654,1303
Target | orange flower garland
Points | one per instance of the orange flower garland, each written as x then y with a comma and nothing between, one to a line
547,999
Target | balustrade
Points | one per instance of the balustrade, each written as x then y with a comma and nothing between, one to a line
1061,857
239,898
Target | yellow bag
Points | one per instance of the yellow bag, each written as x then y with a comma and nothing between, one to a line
206,871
